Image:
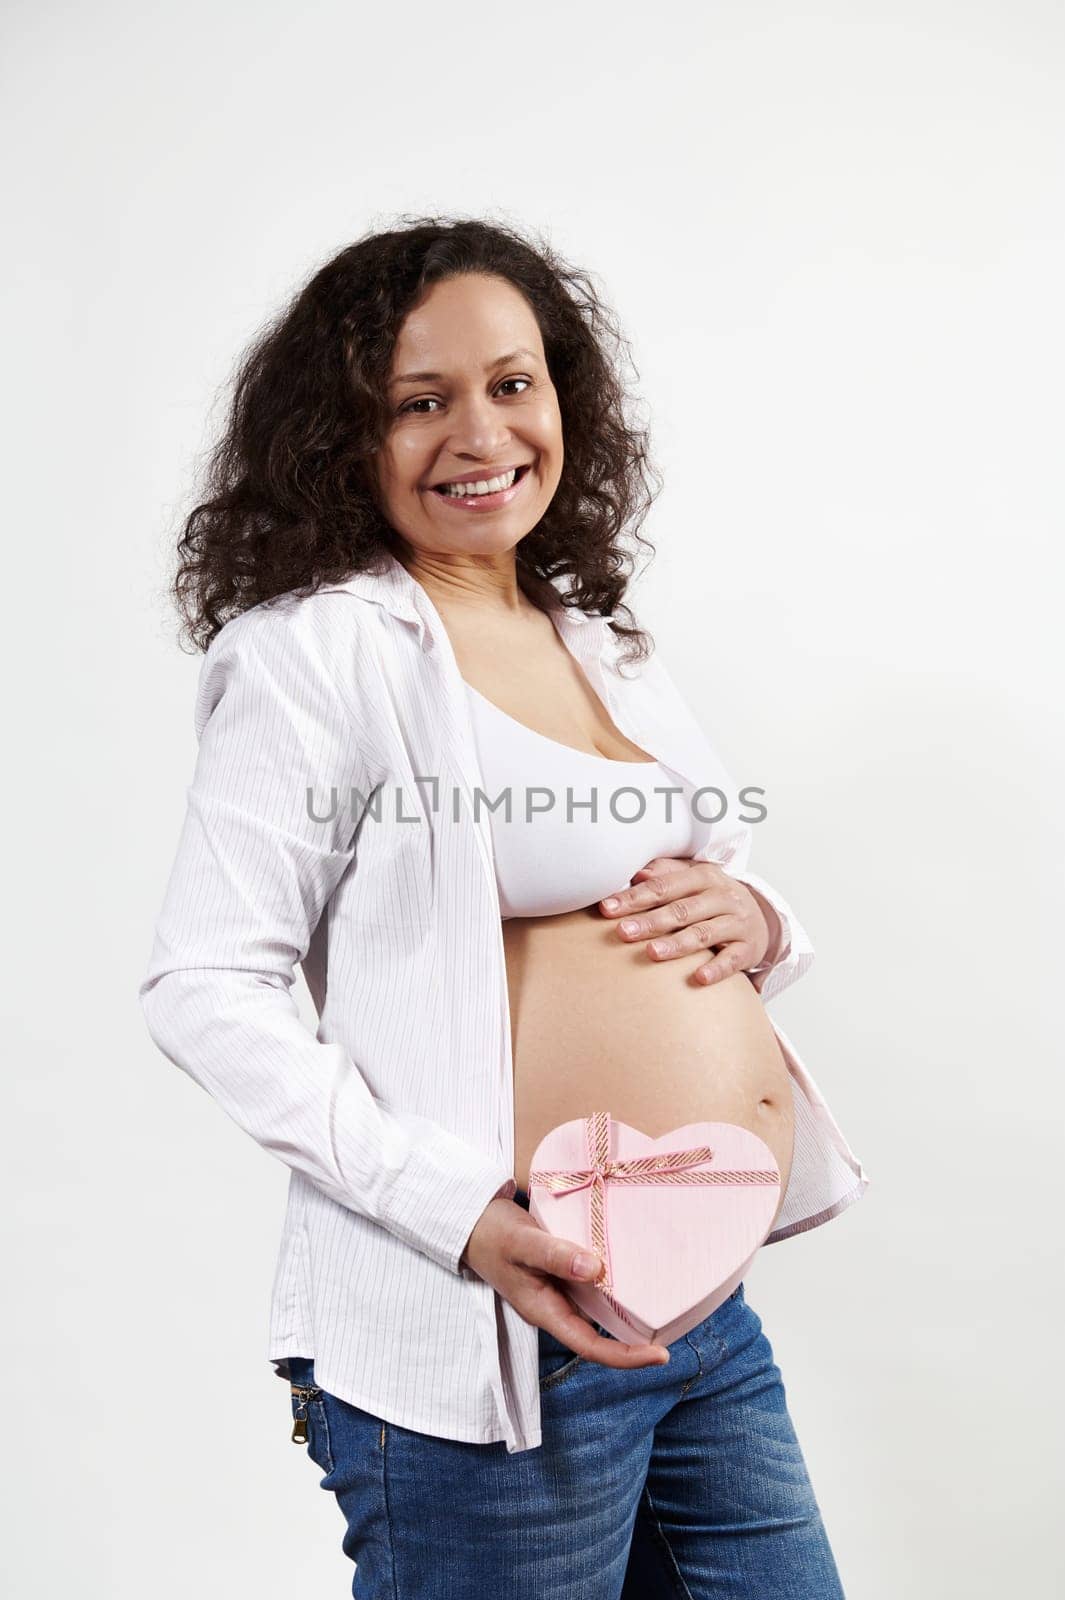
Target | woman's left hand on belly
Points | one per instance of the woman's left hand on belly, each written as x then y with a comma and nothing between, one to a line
684,905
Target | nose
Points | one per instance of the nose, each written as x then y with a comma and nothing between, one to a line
479,431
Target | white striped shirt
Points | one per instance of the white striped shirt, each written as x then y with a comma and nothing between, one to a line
396,1117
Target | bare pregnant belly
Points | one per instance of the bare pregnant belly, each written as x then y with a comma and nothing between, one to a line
597,1025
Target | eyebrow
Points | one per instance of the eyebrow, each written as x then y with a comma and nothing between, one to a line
436,377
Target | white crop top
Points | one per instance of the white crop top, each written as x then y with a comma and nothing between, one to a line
553,851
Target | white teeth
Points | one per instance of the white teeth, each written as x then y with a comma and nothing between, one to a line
482,486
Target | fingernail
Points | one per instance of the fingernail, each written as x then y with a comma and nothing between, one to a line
629,926
585,1264
612,902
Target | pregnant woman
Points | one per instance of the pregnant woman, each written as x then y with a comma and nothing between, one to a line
429,437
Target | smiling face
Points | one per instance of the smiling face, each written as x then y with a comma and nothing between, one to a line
471,399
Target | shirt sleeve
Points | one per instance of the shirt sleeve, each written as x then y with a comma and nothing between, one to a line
789,953
254,871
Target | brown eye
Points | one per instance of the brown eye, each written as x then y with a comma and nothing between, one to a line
430,400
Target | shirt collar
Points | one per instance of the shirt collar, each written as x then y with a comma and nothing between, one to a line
388,583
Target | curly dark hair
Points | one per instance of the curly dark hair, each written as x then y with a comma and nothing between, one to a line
291,502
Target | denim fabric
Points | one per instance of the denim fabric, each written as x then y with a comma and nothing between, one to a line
657,1482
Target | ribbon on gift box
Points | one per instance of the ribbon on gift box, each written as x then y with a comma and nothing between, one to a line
665,1166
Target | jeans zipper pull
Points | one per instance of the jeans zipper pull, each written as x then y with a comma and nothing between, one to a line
299,1427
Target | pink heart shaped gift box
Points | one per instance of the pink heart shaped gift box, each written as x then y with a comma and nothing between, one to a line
677,1221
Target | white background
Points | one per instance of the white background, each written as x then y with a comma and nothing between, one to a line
834,235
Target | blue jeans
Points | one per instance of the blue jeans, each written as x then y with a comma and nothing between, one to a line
683,1480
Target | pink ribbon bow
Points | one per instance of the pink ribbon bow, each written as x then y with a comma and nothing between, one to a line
665,1166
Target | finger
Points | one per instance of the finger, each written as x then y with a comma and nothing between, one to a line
544,1252
685,913
661,864
578,1334
651,889
736,957
660,889
612,1352
553,1310
705,934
